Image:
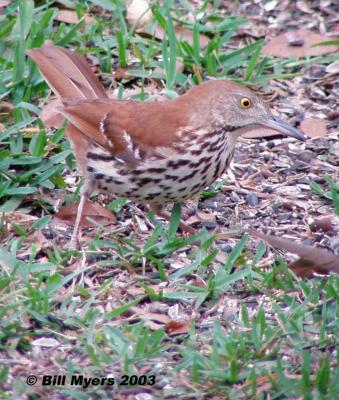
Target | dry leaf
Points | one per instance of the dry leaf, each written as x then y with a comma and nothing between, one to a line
177,327
162,318
304,7
153,320
138,11
71,17
181,33
186,34
314,127
333,68
312,260
193,219
141,9
324,224
205,217
16,217
93,210
4,3
121,73
254,29
45,342
297,43
153,325
39,240
50,115
135,291
179,67
6,107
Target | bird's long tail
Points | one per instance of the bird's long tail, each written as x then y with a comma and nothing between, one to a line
67,73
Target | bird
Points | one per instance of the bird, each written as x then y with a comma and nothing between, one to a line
150,152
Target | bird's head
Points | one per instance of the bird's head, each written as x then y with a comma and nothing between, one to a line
239,108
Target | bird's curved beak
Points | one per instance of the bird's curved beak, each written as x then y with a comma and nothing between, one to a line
283,127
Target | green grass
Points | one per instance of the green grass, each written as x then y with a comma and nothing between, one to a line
251,333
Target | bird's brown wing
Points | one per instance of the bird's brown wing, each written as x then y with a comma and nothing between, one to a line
125,128
129,129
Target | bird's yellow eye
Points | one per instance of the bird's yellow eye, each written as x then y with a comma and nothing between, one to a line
245,103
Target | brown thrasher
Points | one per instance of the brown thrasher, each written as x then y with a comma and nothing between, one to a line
151,152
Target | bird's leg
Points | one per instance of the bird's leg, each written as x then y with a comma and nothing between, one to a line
74,243
158,210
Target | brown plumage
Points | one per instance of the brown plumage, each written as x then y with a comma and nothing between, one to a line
148,151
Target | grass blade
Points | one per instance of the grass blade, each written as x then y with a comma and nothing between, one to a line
175,221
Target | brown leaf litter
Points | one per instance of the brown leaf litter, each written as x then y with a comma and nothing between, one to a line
311,260
140,14
314,127
298,43
95,211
